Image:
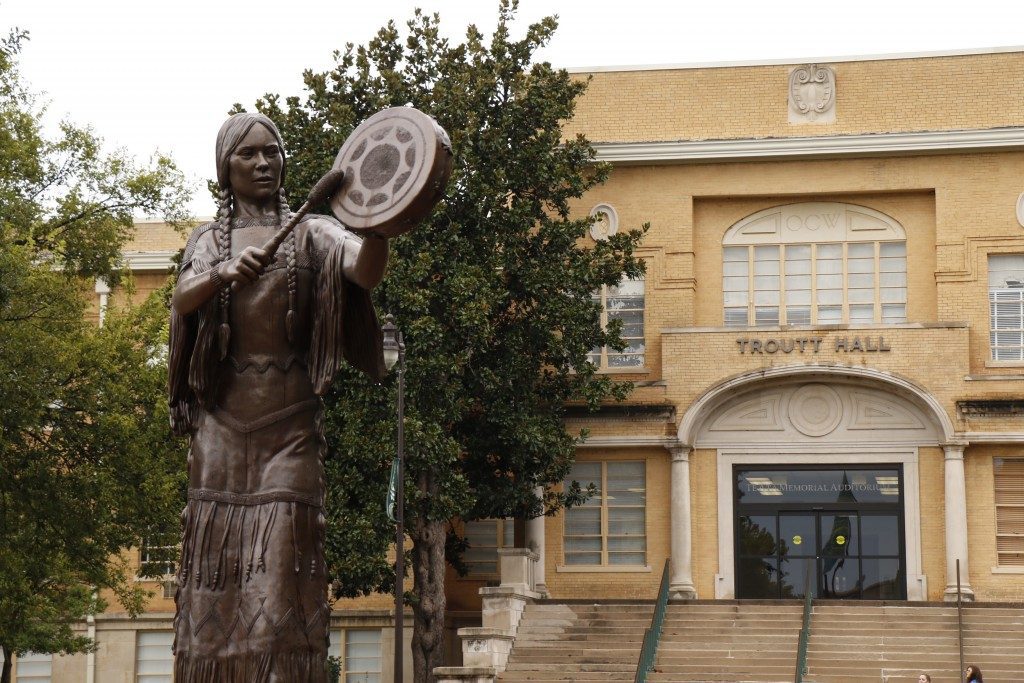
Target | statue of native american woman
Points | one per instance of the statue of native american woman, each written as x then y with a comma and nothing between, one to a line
256,339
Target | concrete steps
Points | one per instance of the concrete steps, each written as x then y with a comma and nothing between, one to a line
592,643
756,642
728,641
895,643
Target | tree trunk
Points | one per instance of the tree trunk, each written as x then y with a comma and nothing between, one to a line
5,675
428,567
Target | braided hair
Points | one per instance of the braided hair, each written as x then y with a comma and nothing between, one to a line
223,237
291,264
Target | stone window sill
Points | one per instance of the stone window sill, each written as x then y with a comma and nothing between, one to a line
1008,570
1005,364
626,371
603,569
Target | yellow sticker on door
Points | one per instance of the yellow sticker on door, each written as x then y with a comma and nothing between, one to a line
797,540
840,540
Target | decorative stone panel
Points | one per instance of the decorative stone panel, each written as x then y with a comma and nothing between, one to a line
812,412
812,94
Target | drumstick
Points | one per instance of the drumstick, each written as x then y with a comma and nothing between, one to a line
324,188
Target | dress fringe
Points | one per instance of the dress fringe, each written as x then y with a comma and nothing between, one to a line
345,325
290,667
224,541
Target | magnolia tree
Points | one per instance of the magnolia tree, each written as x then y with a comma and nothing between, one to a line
493,293
87,468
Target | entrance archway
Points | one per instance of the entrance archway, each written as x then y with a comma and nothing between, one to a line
823,419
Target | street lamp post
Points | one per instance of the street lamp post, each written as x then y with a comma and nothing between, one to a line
394,353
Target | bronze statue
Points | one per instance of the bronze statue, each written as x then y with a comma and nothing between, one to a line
256,339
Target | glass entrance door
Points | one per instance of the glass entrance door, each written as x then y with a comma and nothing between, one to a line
848,548
824,543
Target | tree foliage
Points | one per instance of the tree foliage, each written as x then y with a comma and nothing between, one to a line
86,463
493,293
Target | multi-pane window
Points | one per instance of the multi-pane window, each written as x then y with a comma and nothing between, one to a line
817,283
1009,482
32,667
624,302
611,527
157,554
358,650
1006,306
485,536
154,660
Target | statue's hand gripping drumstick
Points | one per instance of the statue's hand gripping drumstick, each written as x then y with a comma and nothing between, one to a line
323,190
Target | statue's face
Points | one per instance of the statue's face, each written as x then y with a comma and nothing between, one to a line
255,166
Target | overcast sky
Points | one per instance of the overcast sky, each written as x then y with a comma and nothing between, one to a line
161,74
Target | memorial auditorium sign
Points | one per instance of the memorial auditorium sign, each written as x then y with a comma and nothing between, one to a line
866,344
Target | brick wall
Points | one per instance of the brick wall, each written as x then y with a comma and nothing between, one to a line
899,95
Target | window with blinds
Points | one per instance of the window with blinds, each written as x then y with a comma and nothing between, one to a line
361,658
611,527
361,663
1009,481
820,284
1006,306
154,660
32,667
624,303
485,536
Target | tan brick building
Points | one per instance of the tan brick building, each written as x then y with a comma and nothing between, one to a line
828,349
830,367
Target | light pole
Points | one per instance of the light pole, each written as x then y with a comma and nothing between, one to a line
394,353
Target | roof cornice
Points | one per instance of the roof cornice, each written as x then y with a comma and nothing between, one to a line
810,147
831,59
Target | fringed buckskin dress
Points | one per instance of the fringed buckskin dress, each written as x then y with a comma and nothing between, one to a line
252,588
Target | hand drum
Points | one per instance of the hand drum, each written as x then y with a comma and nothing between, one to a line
396,164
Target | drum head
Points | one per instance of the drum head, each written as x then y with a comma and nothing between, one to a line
396,165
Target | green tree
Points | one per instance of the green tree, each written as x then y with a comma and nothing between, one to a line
493,293
87,466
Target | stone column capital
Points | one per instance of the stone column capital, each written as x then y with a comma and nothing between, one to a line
679,452
954,450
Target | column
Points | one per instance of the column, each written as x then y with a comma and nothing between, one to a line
956,522
681,575
535,542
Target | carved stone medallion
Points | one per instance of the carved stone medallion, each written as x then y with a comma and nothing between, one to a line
606,222
815,409
812,94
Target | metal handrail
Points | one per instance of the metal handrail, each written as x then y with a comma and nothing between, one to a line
652,636
805,627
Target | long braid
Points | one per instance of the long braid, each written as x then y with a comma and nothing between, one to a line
290,261
223,254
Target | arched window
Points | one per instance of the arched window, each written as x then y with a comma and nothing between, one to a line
814,263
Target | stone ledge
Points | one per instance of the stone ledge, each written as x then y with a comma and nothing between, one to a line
509,592
486,632
464,674
518,552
